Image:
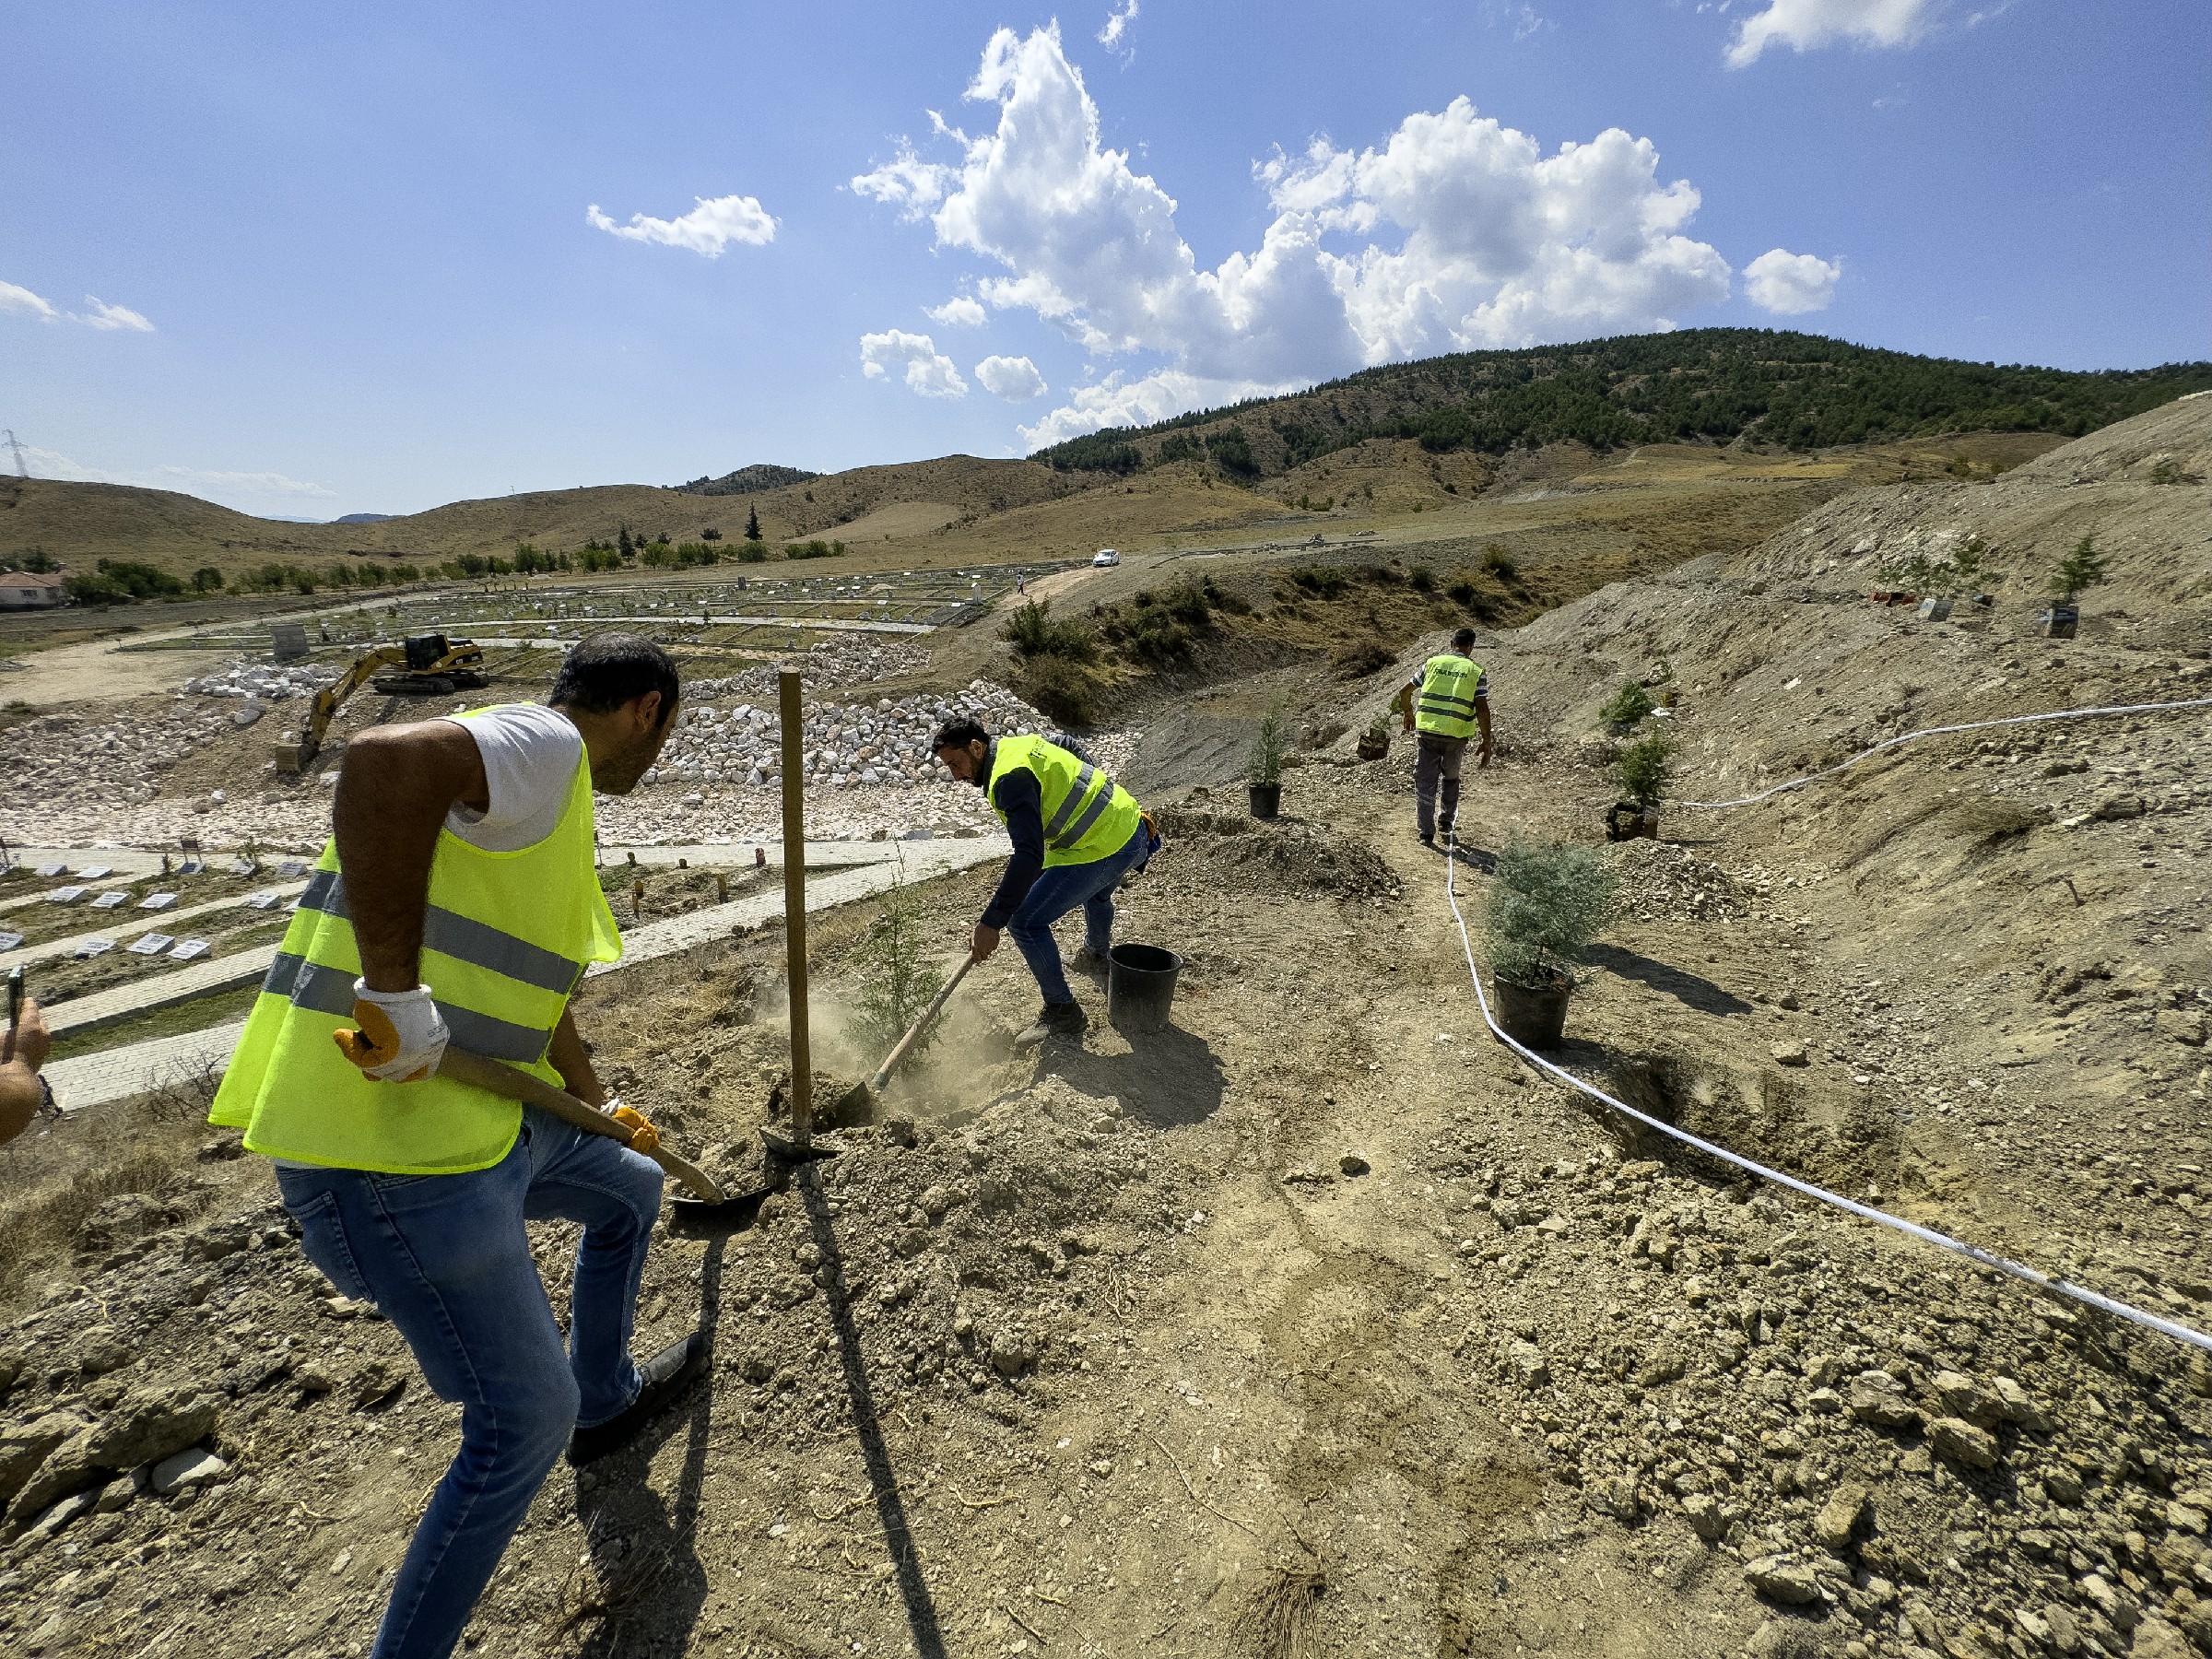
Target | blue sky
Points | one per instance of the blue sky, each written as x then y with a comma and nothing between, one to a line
307,261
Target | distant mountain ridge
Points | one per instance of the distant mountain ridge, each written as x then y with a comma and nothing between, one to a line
1716,385
755,479
364,518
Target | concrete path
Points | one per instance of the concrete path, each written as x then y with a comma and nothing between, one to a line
136,1068
129,919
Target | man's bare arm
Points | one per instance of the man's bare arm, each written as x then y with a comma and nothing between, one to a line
573,1062
1482,717
23,1053
397,785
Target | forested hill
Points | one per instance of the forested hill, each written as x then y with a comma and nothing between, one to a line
1792,391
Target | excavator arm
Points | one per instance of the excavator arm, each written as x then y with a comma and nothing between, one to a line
297,755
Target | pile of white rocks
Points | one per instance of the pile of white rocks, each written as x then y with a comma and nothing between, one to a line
863,744
263,682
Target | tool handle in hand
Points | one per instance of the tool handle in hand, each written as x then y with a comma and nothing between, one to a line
15,999
517,1085
883,1072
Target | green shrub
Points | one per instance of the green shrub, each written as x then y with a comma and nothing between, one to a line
1500,563
1271,746
1356,659
1032,631
1231,450
897,980
1324,581
1628,705
1422,578
2081,568
752,552
1645,768
1548,905
1059,686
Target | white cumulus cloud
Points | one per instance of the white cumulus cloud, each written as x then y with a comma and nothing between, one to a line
1455,233
22,302
706,230
1117,25
1803,25
960,312
1016,378
25,302
927,370
1790,284
104,316
193,480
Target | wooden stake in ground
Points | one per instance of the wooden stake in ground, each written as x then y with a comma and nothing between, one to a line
794,909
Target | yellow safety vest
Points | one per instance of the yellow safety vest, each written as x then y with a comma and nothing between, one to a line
1087,815
506,937
1447,704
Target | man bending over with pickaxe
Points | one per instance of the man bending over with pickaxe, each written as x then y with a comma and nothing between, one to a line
457,901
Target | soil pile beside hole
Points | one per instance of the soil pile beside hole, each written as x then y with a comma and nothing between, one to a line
1215,849
1659,883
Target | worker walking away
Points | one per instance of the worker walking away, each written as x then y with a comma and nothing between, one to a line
457,901
1447,700
1075,833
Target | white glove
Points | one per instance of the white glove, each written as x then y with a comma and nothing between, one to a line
402,1038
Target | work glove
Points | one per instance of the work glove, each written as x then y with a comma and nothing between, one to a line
402,1034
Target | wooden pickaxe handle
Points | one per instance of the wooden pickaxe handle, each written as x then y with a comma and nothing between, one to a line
514,1084
883,1072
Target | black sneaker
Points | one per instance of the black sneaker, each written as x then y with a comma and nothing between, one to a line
666,1376
1054,1019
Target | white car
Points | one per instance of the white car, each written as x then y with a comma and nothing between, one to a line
1106,555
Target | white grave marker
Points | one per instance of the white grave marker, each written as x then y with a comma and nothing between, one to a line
188,948
242,868
291,867
152,944
51,871
8,941
109,901
67,895
261,901
92,947
156,901
191,866
96,873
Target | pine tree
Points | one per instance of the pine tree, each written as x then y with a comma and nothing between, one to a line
752,524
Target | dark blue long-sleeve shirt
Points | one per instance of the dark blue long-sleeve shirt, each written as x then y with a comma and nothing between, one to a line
1021,800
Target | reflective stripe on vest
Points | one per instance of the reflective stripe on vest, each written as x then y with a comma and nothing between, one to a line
1087,814
1447,704
506,937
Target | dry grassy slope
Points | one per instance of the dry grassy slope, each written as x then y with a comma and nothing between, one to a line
959,508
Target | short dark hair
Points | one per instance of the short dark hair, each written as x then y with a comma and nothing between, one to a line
1463,639
958,733
606,670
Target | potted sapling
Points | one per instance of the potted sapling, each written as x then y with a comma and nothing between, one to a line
1941,580
1375,743
1270,749
2082,568
1628,705
1643,769
1546,904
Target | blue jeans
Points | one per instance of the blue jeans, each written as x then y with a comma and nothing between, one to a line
1059,891
446,1260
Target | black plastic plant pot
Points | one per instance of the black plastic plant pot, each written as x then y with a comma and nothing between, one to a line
1140,986
1373,745
1266,800
2060,622
1630,820
1534,1017
1934,610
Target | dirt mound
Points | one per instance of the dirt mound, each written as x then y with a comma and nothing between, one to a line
1291,859
1670,883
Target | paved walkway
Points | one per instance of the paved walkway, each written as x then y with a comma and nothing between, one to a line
136,1068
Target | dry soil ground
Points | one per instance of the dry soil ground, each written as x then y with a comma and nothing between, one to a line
1320,1322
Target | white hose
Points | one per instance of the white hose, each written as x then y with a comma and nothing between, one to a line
1973,1252
1976,725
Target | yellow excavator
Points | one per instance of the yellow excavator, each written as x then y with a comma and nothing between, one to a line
428,666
